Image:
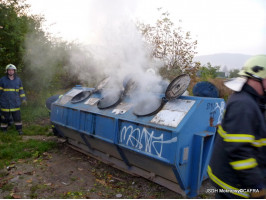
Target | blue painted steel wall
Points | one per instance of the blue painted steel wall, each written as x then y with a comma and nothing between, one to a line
185,148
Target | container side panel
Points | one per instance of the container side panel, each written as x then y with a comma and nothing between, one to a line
153,142
86,122
57,115
105,127
73,118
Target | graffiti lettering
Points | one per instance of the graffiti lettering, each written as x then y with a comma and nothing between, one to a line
210,106
144,140
220,109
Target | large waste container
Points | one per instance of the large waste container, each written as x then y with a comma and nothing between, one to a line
171,147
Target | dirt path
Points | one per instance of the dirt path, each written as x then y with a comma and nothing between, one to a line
66,173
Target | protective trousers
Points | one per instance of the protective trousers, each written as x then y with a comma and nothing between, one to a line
5,117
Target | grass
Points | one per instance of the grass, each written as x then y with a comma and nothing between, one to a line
73,195
35,119
13,148
35,190
33,112
37,130
35,108
7,187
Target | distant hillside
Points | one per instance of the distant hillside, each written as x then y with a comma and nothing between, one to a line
231,61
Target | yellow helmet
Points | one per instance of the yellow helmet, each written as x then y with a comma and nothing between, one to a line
255,67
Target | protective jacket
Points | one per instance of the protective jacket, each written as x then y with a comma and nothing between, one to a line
11,94
238,161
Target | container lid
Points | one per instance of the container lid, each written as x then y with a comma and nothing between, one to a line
152,106
130,86
112,98
81,96
85,94
102,84
148,106
177,87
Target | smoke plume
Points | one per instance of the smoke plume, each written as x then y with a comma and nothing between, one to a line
117,50
114,48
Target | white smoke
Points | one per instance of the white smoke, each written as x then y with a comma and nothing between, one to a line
40,59
117,49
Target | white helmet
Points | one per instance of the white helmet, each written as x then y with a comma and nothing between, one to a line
10,66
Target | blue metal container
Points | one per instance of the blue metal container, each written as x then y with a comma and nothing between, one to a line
171,148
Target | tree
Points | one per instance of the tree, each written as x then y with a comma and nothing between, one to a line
38,56
171,45
233,73
208,71
13,28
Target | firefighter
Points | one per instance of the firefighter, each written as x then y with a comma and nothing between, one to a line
238,164
11,96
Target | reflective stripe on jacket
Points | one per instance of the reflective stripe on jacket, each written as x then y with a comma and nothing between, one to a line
11,94
239,155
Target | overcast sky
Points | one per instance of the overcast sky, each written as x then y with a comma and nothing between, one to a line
220,26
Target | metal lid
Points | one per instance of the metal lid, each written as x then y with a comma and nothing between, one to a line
85,94
80,96
148,107
103,83
130,87
111,99
177,87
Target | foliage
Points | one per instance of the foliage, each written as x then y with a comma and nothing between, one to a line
233,73
12,31
208,71
224,92
39,57
171,45
14,25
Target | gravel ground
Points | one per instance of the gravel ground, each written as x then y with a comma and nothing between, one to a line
66,173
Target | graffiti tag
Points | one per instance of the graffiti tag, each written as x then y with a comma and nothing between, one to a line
144,140
220,108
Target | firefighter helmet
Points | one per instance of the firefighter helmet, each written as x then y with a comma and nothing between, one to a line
10,66
255,67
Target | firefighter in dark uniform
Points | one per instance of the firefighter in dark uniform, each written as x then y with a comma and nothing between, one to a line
238,164
11,96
